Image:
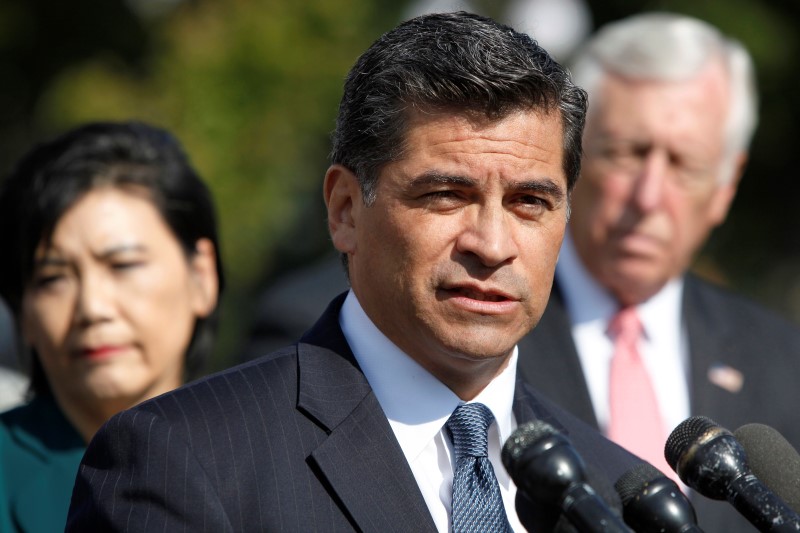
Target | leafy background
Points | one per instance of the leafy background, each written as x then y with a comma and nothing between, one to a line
251,88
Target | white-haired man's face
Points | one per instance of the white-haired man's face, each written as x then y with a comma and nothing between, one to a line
651,188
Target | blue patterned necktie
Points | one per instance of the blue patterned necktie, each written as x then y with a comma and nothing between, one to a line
477,504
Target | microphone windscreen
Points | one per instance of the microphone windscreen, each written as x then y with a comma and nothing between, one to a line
522,439
773,461
709,459
705,456
633,482
550,473
687,434
542,461
653,503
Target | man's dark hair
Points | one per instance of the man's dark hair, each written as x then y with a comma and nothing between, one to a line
54,175
455,62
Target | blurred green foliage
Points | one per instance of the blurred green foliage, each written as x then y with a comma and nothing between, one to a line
251,88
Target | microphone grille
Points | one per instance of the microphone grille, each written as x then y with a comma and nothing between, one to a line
634,481
683,436
523,437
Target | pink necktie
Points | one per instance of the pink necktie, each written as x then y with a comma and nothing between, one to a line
635,420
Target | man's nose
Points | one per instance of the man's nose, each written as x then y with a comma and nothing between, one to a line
488,235
648,191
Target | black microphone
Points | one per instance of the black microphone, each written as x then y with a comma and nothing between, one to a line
653,503
710,460
548,470
773,460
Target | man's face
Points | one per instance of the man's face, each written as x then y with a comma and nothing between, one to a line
650,189
454,260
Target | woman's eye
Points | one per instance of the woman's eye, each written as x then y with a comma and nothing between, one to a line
47,280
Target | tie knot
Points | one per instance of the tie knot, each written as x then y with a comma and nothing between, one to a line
625,325
469,430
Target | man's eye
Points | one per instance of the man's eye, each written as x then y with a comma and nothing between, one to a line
531,202
531,206
125,265
622,153
441,194
534,200
443,199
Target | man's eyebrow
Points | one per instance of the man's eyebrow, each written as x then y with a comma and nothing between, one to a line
437,178
543,186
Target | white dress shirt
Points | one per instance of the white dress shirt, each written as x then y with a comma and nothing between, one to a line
418,405
664,348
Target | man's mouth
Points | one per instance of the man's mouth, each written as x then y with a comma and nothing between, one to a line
479,295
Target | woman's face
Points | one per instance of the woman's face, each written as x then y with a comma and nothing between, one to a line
113,301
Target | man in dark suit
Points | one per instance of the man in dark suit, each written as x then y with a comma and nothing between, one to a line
457,144
672,109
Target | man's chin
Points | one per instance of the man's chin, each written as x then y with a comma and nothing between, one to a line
637,244
635,280
480,345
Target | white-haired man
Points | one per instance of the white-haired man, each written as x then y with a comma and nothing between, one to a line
631,341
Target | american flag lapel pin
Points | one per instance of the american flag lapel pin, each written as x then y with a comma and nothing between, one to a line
726,377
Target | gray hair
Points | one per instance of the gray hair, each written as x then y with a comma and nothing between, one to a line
456,62
670,47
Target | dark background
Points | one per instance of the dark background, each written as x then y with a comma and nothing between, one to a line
251,88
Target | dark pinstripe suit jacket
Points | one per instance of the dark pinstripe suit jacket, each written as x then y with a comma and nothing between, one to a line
724,330
294,441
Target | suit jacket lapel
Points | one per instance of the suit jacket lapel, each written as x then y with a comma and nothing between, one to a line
709,354
528,407
361,459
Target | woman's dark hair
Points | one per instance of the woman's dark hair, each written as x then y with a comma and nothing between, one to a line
54,175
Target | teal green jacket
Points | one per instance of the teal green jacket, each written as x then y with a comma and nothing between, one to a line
39,456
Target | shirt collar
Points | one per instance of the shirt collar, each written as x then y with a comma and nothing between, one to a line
415,402
661,315
586,300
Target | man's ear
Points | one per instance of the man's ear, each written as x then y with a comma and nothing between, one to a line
726,192
343,200
204,278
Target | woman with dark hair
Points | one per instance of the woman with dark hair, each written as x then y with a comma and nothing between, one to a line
112,272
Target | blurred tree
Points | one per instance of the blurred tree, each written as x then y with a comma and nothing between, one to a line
251,88
39,40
